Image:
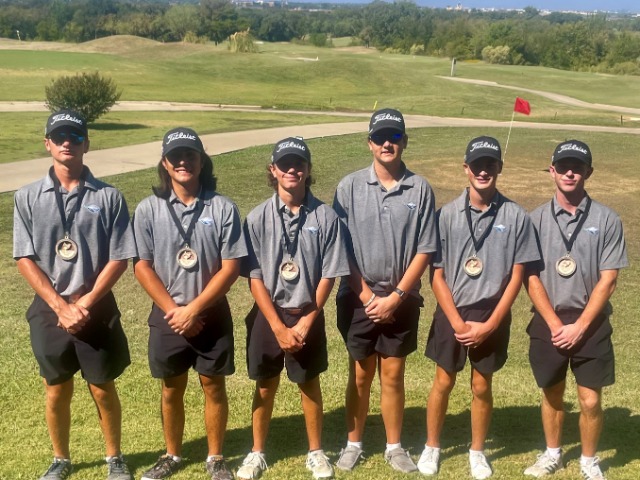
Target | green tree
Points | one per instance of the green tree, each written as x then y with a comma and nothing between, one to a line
88,93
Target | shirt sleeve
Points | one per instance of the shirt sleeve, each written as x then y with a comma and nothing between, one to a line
335,261
251,264
22,227
143,231
614,252
427,233
122,244
233,244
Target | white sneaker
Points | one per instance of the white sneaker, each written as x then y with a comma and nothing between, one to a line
545,465
252,467
319,464
480,468
591,471
429,460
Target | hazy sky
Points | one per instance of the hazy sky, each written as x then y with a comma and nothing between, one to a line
581,5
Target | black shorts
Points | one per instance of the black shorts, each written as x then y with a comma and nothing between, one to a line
363,337
592,361
210,352
488,357
100,350
265,358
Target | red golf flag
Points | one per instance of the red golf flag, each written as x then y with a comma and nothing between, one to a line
522,106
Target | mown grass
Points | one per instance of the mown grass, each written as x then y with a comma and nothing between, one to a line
516,434
22,135
288,76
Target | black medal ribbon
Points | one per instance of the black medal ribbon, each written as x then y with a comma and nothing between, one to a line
568,243
67,222
186,236
291,246
477,244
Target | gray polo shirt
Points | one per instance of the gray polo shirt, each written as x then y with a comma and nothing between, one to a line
101,229
216,236
321,251
599,246
511,241
387,228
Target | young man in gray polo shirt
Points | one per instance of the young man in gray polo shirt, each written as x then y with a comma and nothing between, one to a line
190,243
296,250
390,214
485,242
71,241
583,248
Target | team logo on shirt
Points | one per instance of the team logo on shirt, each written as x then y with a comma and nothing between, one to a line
592,231
411,206
93,208
206,221
500,228
313,230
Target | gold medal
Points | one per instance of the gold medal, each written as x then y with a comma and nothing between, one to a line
473,266
66,249
187,258
289,270
566,266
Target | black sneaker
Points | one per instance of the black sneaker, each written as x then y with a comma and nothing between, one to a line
218,470
58,470
117,469
164,468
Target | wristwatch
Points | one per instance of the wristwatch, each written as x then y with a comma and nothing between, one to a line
399,292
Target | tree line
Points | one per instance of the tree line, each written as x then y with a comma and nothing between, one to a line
595,42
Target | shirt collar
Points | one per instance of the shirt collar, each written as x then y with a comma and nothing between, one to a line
580,209
461,201
89,181
406,181
204,196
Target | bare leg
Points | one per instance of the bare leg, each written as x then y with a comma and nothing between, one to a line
107,402
591,419
172,410
216,411
437,404
553,414
481,408
262,410
392,396
357,395
311,397
58,416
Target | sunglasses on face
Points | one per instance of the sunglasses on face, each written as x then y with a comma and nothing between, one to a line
578,168
176,156
382,138
286,164
60,137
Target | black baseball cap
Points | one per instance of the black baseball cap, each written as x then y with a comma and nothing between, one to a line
294,146
386,119
66,118
483,147
574,149
181,137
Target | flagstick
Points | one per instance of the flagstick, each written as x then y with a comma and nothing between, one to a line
504,157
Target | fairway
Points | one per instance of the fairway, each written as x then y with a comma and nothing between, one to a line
436,153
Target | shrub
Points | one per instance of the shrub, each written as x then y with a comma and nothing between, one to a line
499,55
90,94
242,42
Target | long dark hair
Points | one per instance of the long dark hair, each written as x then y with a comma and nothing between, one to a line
207,179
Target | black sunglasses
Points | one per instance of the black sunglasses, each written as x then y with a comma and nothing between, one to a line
60,137
382,138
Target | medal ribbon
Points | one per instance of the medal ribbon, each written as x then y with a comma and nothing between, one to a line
186,236
477,244
291,246
67,222
583,218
